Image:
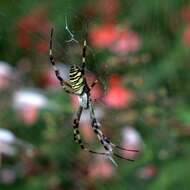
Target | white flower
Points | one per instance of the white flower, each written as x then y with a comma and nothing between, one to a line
29,97
9,143
7,139
131,136
5,69
7,136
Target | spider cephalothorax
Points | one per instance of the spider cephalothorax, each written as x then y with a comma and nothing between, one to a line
78,86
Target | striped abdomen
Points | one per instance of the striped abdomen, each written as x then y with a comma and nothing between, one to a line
76,79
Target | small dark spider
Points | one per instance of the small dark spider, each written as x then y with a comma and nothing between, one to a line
78,86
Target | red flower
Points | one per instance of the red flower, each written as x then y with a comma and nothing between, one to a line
108,8
186,36
185,13
117,39
24,40
147,172
127,42
42,46
117,95
101,169
104,35
35,23
29,115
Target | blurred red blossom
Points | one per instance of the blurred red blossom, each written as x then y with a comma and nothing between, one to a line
108,8
185,13
24,40
147,172
35,23
117,96
186,36
104,35
127,42
117,39
29,115
42,46
101,169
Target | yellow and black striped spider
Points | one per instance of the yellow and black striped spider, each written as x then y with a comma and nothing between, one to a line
78,86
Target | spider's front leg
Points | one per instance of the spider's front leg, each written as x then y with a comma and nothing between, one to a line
83,57
65,84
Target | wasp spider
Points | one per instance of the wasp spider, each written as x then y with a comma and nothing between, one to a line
78,86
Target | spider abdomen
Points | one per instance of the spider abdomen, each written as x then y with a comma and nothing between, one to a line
83,100
76,80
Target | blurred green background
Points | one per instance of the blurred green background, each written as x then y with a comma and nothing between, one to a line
140,53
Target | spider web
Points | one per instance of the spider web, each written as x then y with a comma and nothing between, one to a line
71,28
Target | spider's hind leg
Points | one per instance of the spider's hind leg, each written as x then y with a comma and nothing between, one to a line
107,144
77,137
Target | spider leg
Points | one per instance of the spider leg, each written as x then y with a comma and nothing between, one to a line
83,57
77,137
96,128
107,144
66,85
